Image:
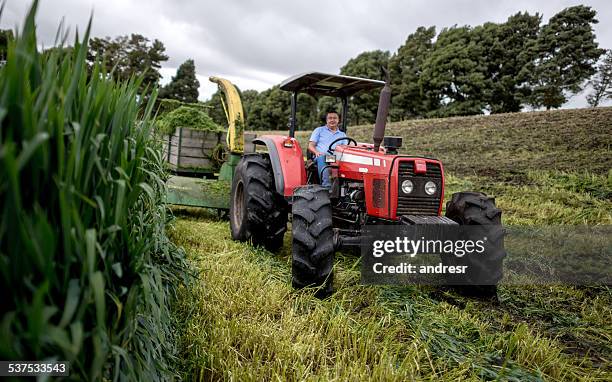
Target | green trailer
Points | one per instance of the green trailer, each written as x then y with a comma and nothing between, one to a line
203,190
202,163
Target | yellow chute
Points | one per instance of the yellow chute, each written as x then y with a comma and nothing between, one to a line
234,113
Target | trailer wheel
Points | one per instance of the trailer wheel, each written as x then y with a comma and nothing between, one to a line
313,247
483,272
257,212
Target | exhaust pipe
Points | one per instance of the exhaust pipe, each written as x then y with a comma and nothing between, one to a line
383,110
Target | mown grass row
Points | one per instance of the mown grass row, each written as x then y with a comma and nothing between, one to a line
87,272
244,322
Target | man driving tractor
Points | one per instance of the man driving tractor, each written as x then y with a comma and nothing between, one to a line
320,140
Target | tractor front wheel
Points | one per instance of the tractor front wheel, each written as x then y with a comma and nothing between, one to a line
257,212
484,271
313,247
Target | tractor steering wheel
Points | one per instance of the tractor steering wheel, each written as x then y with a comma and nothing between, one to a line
330,151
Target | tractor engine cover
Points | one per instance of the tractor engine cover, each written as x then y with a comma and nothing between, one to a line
394,185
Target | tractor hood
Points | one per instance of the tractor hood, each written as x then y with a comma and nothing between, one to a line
382,176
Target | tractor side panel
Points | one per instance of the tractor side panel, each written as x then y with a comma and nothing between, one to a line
376,190
373,170
287,162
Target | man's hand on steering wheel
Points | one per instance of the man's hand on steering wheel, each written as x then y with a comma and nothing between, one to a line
350,140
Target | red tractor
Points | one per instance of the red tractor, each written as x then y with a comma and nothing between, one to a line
369,186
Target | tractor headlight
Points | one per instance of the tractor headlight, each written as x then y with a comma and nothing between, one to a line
430,188
407,186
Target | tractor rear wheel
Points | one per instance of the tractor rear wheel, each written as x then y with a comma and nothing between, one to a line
483,272
257,212
313,247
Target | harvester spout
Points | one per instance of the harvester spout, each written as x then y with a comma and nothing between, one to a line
383,110
234,114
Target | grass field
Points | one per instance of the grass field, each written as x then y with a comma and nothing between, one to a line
242,320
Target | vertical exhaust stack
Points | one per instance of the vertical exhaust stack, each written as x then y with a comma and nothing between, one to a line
383,110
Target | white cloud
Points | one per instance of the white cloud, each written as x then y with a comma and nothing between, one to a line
257,44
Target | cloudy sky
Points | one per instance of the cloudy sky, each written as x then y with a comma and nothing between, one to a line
257,44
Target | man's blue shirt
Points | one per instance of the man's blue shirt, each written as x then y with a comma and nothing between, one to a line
323,136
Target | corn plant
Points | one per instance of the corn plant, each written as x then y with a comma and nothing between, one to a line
87,272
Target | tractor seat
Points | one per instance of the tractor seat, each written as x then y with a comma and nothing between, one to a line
312,173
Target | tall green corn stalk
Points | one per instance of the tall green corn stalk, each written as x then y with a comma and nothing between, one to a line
87,273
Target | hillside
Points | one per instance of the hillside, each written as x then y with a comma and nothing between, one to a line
506,146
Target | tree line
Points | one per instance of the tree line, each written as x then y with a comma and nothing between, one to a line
462,70
490,68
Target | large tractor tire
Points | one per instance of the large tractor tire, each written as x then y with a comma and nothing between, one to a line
257,212
483,272
313,247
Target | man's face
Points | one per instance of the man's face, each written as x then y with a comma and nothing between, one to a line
332,120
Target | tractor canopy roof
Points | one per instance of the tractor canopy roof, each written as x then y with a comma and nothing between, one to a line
321,84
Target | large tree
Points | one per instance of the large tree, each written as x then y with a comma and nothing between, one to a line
505,54
269,110
367,65
453,75
247,97
127,56
253,112
493,67
565,56
602,82
184,86
276,112
406,67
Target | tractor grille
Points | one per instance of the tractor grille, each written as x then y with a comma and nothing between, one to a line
418,202
406,168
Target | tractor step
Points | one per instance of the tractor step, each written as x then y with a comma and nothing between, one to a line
416,219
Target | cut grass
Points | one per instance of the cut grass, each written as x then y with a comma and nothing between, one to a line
545,197
243,321
246,322
186,116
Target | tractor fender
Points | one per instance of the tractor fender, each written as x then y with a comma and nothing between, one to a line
287,162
